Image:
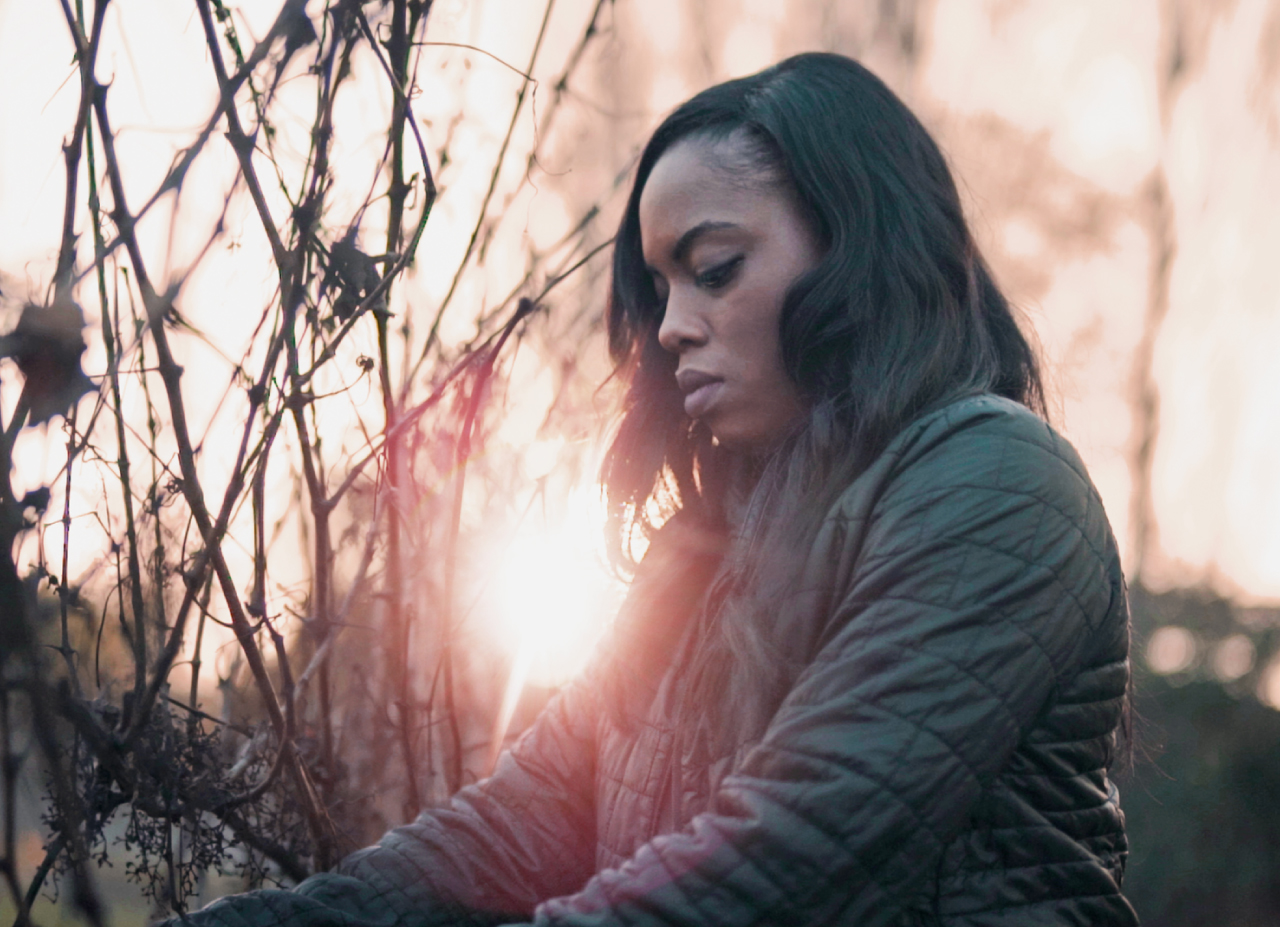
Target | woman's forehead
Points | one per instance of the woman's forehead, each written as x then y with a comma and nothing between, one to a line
697,182
733,160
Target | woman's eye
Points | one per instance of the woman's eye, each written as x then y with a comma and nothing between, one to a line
718,276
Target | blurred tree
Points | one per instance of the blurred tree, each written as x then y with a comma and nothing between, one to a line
1200,800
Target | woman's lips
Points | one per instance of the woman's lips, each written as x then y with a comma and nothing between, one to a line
700,391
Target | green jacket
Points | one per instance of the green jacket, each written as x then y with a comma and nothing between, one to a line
939,759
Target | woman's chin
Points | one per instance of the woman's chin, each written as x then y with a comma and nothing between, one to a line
751,438
742,442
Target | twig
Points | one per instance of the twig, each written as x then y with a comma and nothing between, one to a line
170,374
484,203
196,660
475,48
462,455
178,171
366,558
87,53
111,339
42,871
64,588
196,712
10,766
241,143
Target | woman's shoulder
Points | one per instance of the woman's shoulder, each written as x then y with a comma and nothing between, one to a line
965,497
977,446
983,425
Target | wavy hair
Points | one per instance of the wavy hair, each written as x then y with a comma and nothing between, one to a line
900,315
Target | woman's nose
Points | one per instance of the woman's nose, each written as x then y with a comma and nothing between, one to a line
682,326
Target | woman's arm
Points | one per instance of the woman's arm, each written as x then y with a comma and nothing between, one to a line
499,847
528,832
983,575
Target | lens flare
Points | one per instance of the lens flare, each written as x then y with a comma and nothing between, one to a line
555,596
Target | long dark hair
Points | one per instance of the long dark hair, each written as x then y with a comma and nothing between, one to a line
900,315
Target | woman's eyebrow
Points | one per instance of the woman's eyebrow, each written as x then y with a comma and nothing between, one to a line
690,238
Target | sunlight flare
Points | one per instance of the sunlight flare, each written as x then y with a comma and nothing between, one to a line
555,595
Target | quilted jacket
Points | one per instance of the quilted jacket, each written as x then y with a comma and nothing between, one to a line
940,758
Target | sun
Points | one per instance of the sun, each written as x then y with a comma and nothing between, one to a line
555,591
554,597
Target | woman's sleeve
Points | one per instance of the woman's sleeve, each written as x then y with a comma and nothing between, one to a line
524,834
982,572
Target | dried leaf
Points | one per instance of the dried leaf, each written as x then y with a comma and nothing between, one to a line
46,345
354,273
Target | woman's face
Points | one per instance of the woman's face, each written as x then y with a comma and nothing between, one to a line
724,246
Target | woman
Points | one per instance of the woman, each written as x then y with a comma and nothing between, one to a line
874,662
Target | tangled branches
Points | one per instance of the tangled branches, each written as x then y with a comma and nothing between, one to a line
104,680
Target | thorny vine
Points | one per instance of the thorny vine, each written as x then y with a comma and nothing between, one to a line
272,786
